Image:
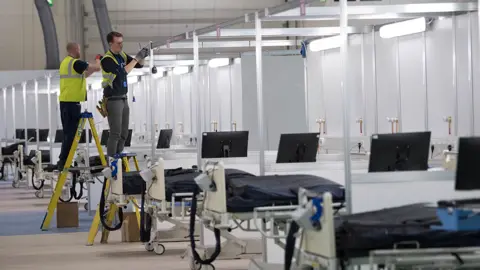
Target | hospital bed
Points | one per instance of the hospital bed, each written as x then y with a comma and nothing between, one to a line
232,201
9,155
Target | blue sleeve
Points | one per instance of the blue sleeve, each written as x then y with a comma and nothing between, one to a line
80,66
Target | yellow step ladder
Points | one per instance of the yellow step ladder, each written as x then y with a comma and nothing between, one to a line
63,175
113,208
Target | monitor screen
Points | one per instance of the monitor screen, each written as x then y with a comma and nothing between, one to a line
467,161
58,136
296,148
399,152
164,138
225,144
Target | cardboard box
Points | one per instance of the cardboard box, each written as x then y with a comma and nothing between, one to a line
130,228
67,215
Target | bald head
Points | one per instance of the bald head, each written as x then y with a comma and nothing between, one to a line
73,49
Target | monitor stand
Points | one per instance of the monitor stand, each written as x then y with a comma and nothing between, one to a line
226,151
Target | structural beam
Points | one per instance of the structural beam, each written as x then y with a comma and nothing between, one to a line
286,32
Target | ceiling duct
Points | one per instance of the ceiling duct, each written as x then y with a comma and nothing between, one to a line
49,34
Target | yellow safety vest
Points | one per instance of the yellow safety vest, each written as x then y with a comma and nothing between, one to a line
109,77
73,86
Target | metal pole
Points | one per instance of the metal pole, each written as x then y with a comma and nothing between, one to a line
374,73
231,96
36,114
209,95
364,92
399,87
454,75
14,113
470,76
151,101
196,73
24,99
305,78
259,67
346,107
49,87
5,114
424,60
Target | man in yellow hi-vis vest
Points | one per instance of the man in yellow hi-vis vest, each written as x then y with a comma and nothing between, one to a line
115,67
73,90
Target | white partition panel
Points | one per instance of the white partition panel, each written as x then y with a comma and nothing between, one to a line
387,82
369,84
236,82
464,78
332,92
476,70
355,85
316,105
412,83
440,79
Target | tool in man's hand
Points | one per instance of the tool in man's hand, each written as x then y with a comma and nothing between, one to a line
102,107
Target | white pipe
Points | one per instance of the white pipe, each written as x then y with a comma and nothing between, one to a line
346,107
14,122
151,100
196,73
259,67
24,99
36,115
50,129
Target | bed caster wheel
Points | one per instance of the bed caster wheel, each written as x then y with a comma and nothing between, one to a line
39,194
159,249
149,247
194,265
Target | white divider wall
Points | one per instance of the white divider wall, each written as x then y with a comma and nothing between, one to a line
434,80
284,97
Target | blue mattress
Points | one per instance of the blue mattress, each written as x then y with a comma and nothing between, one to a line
244,194
361,233
245,191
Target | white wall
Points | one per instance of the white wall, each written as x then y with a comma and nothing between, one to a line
22,44
419,79
283,96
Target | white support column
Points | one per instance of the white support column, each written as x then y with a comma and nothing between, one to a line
305,81
24,100
36,115
51,132
151,101
14,122
196,73
5,115
346,107
259,67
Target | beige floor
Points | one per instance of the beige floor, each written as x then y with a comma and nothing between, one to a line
68,250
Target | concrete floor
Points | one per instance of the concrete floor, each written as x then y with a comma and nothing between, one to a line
68,251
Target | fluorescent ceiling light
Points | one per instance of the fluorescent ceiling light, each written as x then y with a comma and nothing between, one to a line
325,44
181,70
132,79
403,28
218,62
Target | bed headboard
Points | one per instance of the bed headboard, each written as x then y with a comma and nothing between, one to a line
156,188
217,201
322,242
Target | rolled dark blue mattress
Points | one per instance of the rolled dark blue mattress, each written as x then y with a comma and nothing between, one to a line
358,234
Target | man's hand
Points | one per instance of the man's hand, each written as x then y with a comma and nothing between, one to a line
142,54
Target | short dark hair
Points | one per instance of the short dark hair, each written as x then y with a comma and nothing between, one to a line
113,34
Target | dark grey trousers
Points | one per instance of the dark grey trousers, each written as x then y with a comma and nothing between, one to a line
118,118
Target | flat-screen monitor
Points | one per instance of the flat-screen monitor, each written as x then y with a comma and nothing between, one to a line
106,133
296,148
224,144
467,161
43,134
58,136
83,137
399,152
164,138
20,134
31,134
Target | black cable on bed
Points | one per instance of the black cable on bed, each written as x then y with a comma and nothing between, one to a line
290,245
102,211
216,232
145,221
